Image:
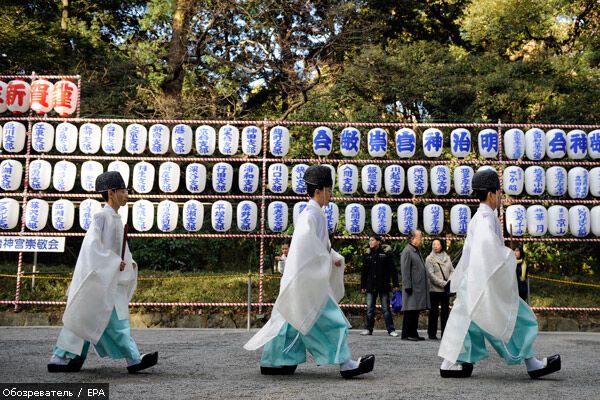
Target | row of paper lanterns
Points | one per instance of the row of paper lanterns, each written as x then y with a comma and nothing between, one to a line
534,144
42,96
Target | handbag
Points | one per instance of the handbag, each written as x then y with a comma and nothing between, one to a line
396,301
447,287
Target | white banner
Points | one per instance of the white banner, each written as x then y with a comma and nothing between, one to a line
32,244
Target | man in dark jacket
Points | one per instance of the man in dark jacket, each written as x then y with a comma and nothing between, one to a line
377,273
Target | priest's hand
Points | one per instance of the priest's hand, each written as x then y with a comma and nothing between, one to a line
338,263
408,291
122,266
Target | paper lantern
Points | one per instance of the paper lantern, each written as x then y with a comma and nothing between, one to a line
463,176
417,180
515,217
122,168
433,219
440,180
514,144
112,138
460,216
595,217
486,168
36,214
487,142
195,178
278,178
332,214
251,140
350,142
513,180
460,142
594,178
66,138
206,140
143,177
87,209
393,177
556,181
90,138
248,178
279,141
322,141
579,221
298,184
229,138
381,219
578,183
167,214
42,100
348,182
556,143
535,180
277,215
537,220
168,177
371,179
13,136
181,139
42,137
558,220
222,177
377,139
89,172
433,142
408,216
9,213
158,139
406,143
355,218
193,215
40,174
124,213
535,144
11,174
63,177
143,215
247,216
65,97
136,136
576,144
298,208
594,144
3,90
63,215
18,97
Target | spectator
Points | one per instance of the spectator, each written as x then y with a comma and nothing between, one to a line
522,274
439,269
285,247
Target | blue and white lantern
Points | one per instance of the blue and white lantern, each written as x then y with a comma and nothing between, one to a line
279,141
377,139
578,183
537,220
371,179
460,142
417,180
594,144
487,142
408,215
143,177
594,178
36,214
247,216
42,137
381,219
248,178
181,139
576,144
278,178
229,140
124,213
463,176
11,173
487,167
332,213
277,213
394,178
13,136
595,217
222,177
298,184
167,214
513,180
90,137
195,178
556,143
433,142
406,143
63,177
535,180
122,168
87,209
9,213
192,215
63,215
516,220
112,138
579,221
440,180
136,137
206,140
350,142
158,139
66,138
433,219
143,215
460,216
89,172
355,218
514,144
535,144
168,177
556,181
251,140
558,220
348,181
298,208
40,174
322,141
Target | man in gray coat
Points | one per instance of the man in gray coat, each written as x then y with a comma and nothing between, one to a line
415,286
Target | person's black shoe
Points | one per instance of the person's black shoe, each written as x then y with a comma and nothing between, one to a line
148,360
552,365
420,338
365,365
433,338
74,365
410,338
465,372
283,370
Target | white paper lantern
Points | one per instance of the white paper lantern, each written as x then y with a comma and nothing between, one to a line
248,178
377,140
63,177
537,220
36,214
355,218
558,220
595,217
63,215
578,183
222,177
381,219
463,176
90,138
594,178
42,100
66,96
279,141
371,179
167,214
66,138
440,180
168,177
158,139
332,213
556,143
322,141
394,179
143,215
122,168
229,138
87,209
576,144
247,216
40,174
278,178
42,137
460,142
13,136
433,219
433,142
124,213
112,138
18,96
487,142
535,180
277,213
143,177
193,215
516,219
350,142
251,140
89,172
206,140
298,208
594,144
486,168
298,184
556,181
417,180
3,90
348,182
136,137
181,139
514,144
9,213
195,178
579,221
408,215
513,180
406,142
535,144
11,174
460,216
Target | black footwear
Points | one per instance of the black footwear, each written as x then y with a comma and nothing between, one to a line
283,370
433,338
465,372
74,365
420,338
552,365
365,365
148,360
